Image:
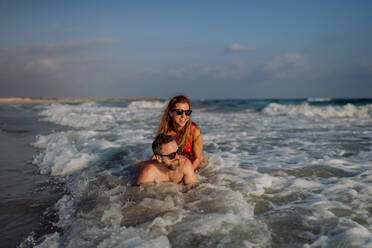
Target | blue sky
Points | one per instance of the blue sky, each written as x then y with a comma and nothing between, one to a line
204,49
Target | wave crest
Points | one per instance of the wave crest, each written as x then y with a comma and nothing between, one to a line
346,111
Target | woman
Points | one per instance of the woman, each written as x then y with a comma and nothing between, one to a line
176,121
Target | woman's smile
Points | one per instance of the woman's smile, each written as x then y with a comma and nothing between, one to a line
180,120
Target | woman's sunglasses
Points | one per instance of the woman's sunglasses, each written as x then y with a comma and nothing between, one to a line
181,111
172,155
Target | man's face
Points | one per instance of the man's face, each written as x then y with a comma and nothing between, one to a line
169,148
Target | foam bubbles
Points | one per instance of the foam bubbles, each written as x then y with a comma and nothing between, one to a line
61,156
357,237
132,237
289,175
347,111
319,99
96,116
50,241
153,105
79,116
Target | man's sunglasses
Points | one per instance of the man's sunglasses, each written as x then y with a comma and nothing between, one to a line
181,111
172,155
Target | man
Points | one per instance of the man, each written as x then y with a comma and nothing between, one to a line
168,165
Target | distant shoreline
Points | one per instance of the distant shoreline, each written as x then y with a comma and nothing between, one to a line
71,100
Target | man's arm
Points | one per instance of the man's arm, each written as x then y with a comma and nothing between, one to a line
189,174
147,175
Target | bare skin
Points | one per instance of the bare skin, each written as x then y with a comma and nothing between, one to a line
163,169
179,121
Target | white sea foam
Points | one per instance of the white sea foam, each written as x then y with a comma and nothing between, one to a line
305,109
269,180
134,238
305,184
93,115
358,237
79,116
61,155
319,99
50,241
152,105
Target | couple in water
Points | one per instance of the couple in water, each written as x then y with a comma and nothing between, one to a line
177,147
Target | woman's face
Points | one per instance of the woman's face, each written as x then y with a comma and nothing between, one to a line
180,120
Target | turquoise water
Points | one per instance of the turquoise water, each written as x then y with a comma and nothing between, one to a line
262,103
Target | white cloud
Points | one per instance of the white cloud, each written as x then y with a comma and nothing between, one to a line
234,48
286,65
193,72
61,49
31,69
197,71
42,65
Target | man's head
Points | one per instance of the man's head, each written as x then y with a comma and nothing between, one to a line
166,151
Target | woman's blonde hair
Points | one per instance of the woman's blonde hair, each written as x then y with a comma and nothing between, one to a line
166,122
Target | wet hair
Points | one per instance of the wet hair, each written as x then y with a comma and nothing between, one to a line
160,140
166,123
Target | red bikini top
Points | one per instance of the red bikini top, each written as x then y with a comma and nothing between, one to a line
188,148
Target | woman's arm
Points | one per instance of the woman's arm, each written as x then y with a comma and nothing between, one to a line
197,147
189,174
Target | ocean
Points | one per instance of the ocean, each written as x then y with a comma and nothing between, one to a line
278,173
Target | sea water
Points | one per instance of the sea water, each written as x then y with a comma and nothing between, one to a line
24,193
278,173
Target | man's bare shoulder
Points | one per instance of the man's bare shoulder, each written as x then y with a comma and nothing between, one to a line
142,165
151,165
148,173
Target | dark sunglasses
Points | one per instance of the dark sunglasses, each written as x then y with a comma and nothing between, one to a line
181,111
173,154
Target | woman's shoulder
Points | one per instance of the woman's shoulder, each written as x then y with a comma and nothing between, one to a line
195,129
194,125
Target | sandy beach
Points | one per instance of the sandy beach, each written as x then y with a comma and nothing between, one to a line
53,99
